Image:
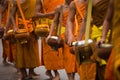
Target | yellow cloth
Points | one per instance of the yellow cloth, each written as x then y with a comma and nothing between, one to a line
97,33
96,36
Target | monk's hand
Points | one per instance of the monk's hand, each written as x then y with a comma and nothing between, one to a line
98,43
15,29
70,39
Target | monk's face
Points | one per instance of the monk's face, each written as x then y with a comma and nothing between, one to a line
68,1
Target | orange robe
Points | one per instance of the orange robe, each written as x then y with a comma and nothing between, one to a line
51,5
109,70
27,55
53,60
98,15
69,58
115,41
86,71
9,50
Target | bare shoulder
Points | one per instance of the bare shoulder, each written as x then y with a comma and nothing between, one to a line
72,5
58,8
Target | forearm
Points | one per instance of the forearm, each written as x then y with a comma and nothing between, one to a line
69,28
82,30
107,22
10,19
106,27
52,28
41,15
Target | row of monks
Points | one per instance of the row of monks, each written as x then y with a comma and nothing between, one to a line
24,53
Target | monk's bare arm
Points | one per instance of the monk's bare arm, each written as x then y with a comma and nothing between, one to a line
70,23
82,30
39,8
107,21
11,18
55,20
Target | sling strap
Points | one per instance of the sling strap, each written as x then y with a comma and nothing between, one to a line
76,4
89,11
22,15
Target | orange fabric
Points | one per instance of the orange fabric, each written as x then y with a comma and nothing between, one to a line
82,8
69,60
27,55
4,18
6,48
9,50
87,71
109,71
51,5
53,60
65,15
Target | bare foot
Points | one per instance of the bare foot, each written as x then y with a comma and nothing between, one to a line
48,73
70,76
18,71
21,77
33,75
5,62
57,77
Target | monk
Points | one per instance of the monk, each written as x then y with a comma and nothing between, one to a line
112,22
51,63
8,45
69,62
27,56
76,15
3,6
98,13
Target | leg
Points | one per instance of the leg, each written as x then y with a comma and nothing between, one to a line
4,59
48,73
71,76
57,76
32,74
23,75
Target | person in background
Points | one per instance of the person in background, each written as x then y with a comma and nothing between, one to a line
99,9
69,59
27,56
8,45
111,21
